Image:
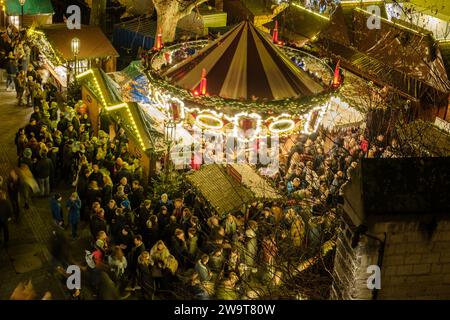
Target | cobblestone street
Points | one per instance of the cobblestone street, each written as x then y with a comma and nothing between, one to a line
27,256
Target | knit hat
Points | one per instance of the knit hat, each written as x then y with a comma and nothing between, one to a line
27,153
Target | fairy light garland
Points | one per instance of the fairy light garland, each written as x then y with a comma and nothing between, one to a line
115,107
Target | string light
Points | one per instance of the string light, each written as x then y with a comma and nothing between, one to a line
290,125
114,107
199,120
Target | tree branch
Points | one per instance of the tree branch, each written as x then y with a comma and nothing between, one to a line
191,7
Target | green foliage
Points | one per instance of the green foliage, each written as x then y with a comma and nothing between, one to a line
169,182
230,106
73,93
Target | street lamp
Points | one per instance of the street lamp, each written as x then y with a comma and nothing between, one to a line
170,128
75,46
22,4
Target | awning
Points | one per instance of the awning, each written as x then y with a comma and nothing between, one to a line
31,7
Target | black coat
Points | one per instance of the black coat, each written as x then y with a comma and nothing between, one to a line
107,194
180,250
145,277
82,186
134,255
136,197
11,67
96,176
44,168
97,225
93,195
5,211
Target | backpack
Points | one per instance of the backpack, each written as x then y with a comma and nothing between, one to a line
89,259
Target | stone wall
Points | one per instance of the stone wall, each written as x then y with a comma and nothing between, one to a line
416,262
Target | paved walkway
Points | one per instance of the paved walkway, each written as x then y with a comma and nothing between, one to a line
27,255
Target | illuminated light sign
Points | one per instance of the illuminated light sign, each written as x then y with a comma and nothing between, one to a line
282,125
247,116
320,114
176,109
209,121
160,100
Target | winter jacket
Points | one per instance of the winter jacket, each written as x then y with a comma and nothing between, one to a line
57,211
5,211
203,271
97,225
44,168
74,210
136,197
11,67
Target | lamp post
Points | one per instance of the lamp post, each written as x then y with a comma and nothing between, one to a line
169,134
22,4
75,46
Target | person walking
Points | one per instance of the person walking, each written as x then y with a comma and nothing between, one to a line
57,210
5,216
13,186
11,71
74,206
21,82
44,170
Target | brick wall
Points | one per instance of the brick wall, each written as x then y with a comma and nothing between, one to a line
416,264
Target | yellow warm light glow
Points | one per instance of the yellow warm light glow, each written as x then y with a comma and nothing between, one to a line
199,120
310,11
390,22
290,124
114,107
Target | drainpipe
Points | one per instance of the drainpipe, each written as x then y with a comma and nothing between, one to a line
362,231
382,244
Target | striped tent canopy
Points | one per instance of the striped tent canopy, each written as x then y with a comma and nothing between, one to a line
244,64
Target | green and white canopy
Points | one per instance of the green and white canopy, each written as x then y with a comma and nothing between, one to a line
31,7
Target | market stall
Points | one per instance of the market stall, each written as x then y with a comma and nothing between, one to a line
63,60
35,12
235,186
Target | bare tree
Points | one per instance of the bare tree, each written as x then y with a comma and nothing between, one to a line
169,12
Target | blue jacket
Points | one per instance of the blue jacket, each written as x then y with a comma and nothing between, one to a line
74,210
57,211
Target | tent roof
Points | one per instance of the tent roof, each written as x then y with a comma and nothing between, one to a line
93,42
395,48
226,194
31,7
243,64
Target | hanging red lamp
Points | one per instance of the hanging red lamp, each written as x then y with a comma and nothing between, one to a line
158,44
203,83
275,33
337,76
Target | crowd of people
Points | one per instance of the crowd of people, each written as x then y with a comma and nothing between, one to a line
157,245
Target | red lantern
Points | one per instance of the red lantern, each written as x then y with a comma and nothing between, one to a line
159,43
275,33
203,83
337,76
